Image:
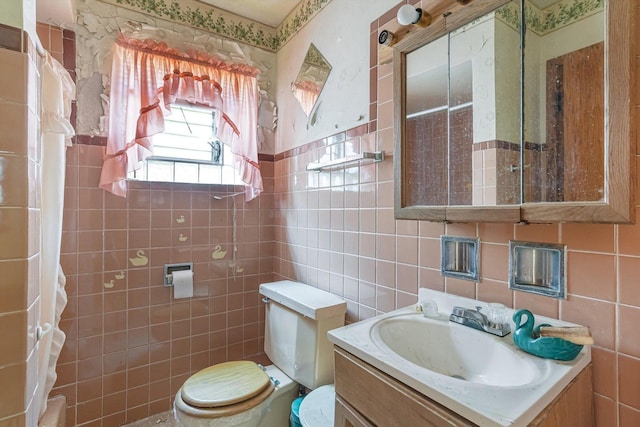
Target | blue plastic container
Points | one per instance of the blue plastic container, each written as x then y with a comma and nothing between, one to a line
295,412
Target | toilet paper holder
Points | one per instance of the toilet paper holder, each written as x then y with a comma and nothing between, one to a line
170,268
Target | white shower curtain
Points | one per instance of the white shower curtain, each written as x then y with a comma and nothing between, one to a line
57,92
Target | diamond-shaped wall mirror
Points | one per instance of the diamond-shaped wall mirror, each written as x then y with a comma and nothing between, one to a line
312,76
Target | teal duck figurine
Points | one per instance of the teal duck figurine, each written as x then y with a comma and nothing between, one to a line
529,340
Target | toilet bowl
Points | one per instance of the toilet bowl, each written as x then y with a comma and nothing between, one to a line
237,393
242,393
318,407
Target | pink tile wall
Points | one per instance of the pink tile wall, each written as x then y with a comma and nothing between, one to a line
337,231
130,345
19,228
52,40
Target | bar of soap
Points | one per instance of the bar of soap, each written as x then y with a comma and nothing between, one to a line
580,335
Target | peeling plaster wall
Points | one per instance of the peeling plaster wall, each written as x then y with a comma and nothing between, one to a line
98,26
340,31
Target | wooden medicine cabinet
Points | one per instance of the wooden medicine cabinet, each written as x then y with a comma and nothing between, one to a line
505,116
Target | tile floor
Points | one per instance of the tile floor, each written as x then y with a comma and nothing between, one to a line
164,419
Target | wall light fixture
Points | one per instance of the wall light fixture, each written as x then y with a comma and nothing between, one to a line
408,15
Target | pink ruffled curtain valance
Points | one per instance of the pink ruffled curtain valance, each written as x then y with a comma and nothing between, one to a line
147,77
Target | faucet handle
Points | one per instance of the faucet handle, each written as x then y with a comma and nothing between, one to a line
429,308
498,313
478,320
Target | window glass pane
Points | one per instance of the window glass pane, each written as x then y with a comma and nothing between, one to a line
186,172
140,174
187,150
175,128
158,170
229,175
210,174
182,153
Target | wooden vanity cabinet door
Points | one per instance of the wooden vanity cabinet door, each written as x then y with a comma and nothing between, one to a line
346,416
367,397
573,407
382,400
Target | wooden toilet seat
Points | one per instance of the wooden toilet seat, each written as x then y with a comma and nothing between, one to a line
225,389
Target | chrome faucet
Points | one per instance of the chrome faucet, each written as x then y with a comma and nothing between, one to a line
478,320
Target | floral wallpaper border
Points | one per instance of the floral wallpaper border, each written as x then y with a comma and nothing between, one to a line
260,35
543,21
226,24
302,14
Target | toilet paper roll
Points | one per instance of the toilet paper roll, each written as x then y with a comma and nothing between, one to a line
182,284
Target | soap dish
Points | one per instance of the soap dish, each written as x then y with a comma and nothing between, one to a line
528,339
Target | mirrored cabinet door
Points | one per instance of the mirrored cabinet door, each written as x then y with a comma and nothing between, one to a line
564,133
427,125
581,54
517,111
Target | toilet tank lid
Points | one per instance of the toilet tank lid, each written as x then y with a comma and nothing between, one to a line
306,300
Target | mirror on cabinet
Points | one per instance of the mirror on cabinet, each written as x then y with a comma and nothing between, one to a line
564,135
455,124
311,78
508,116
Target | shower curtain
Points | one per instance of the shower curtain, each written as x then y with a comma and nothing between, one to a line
57,92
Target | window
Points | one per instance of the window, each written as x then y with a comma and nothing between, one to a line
147,78
188,151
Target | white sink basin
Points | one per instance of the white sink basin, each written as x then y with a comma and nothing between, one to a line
482,377
453,350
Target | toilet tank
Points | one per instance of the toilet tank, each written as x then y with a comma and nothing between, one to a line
298,317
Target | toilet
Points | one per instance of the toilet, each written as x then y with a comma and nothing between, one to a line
242,393
318,407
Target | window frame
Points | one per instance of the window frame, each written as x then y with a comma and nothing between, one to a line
142,174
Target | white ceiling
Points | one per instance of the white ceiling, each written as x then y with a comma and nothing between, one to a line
56,12
268,12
